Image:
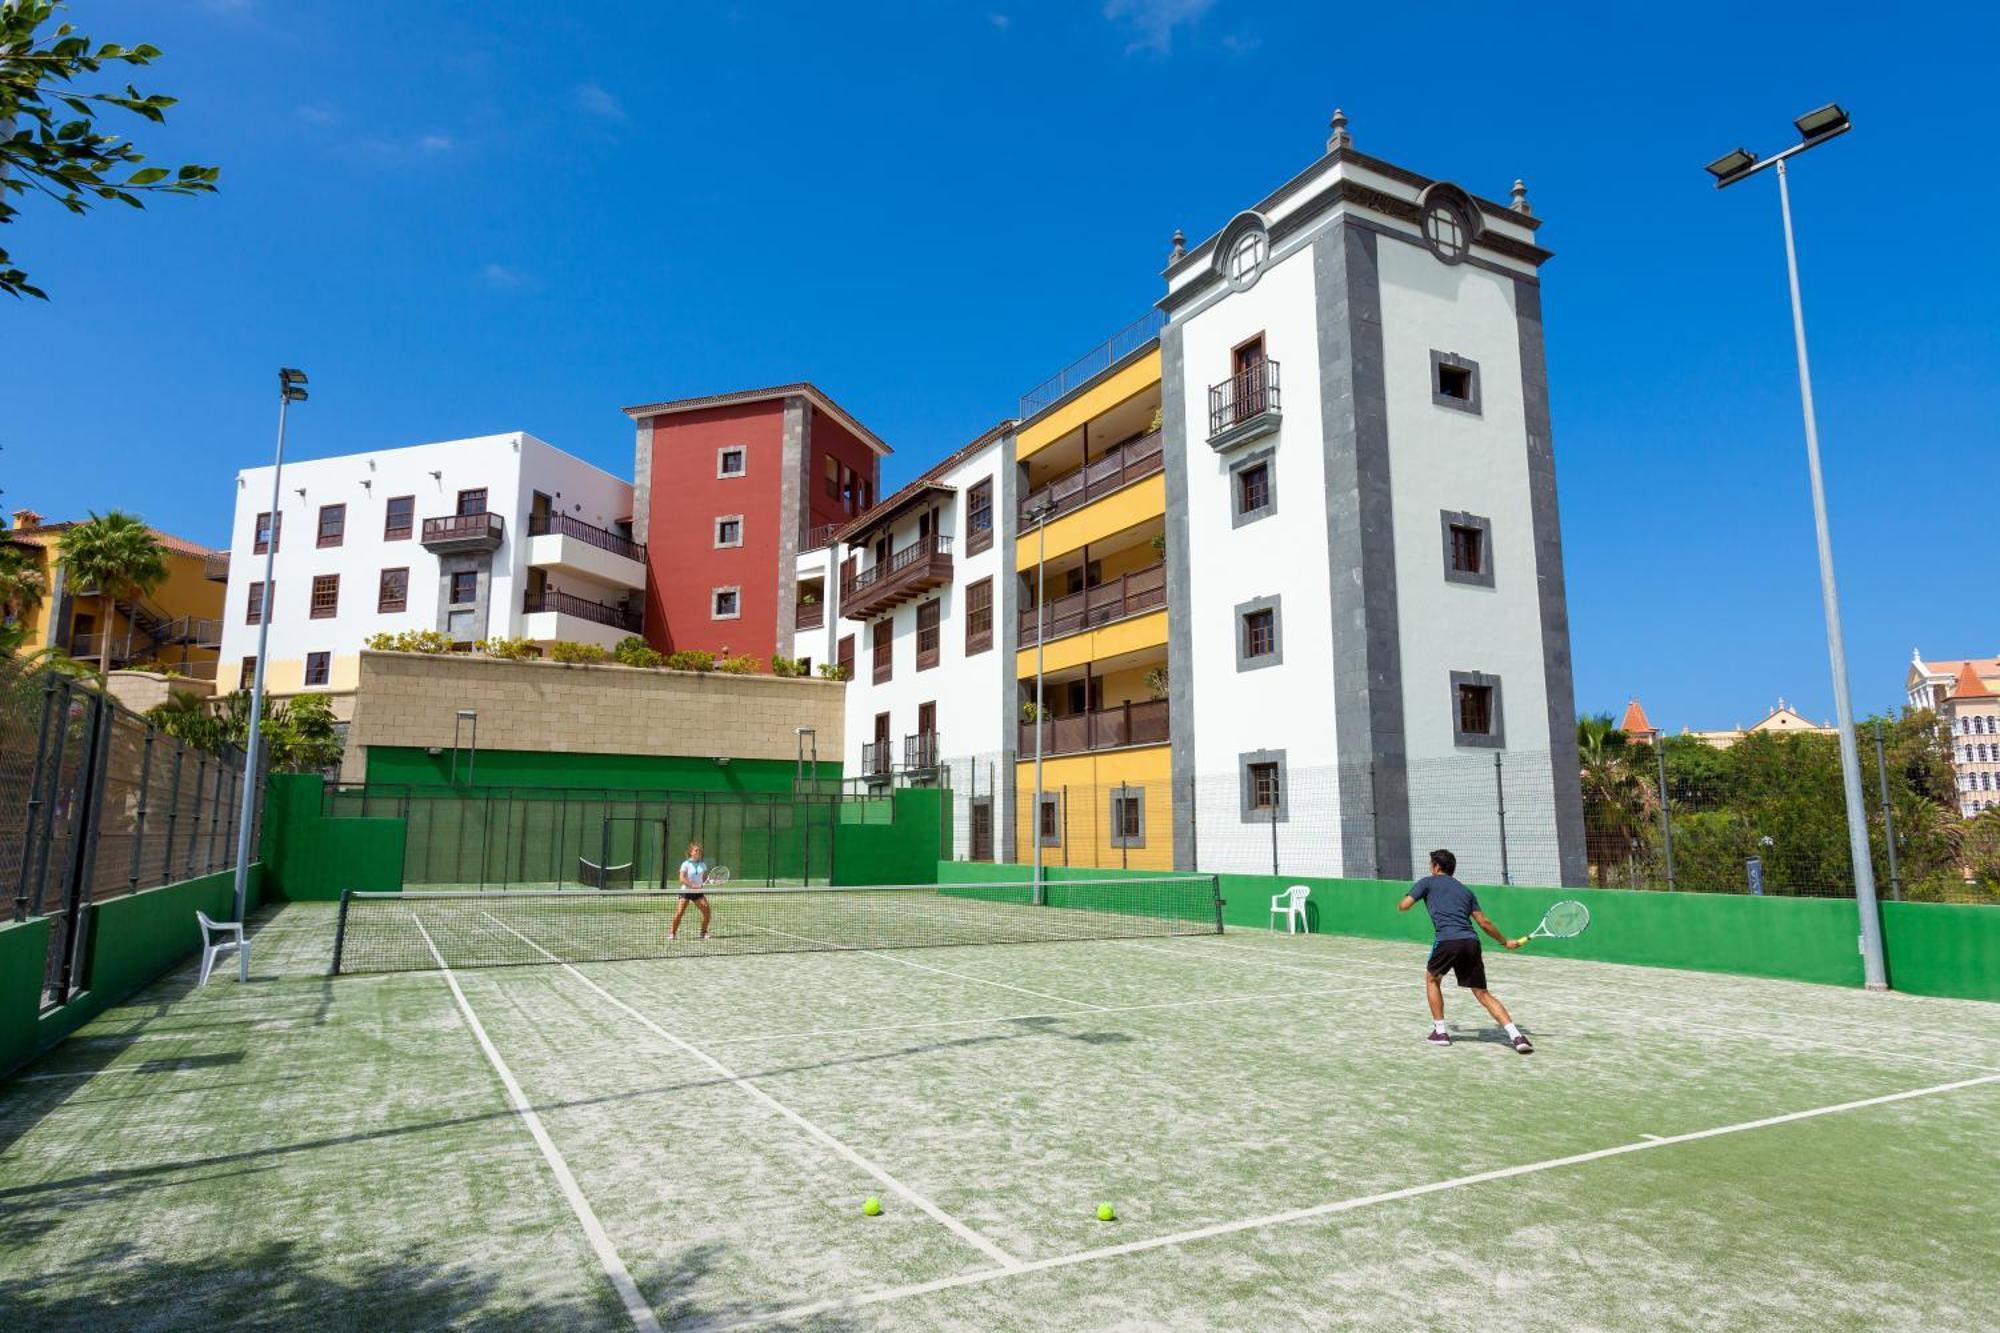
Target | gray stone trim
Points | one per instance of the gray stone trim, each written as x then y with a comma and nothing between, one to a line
1180,601
1481,577
1247,810
1493,740
461,562
722,451
794,507
1558,685
1007,638
714,593
1361,556
642,482
1243,224
1050,798
1126,792
1276,657
1246,430
720,519
1439,360
1238,515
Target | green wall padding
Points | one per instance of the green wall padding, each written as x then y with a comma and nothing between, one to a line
904,852
24,954
1943,949
415,766
311,858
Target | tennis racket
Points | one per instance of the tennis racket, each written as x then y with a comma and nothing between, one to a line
1562,921
716,877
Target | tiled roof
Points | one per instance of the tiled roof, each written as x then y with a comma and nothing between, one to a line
49,534
1969,685
1635,722
802,389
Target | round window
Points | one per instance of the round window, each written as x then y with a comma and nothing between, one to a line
1446,229
1247,256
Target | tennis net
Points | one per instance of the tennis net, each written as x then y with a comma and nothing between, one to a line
398,932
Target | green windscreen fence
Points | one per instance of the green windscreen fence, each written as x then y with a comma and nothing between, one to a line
561,837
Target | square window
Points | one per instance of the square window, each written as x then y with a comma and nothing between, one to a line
929,634
727,604
1260,635
730,460
1475,710
1050,821
270,533
472,501
1261,774
465,588
729,531
319,668
1128,817
399,518
332,524
1255,484
325,596
1454,382
393,593
1468,548
1253,491
1476,718
255,610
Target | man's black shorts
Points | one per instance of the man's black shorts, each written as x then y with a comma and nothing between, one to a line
1460,958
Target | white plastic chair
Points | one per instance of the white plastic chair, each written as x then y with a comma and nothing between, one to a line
1292,903
219,937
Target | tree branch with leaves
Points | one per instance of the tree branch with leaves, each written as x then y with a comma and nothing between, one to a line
49,140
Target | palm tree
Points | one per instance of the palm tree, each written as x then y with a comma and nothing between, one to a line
1617,802
22,588
119,557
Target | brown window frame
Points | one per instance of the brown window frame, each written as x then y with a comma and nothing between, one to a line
930,637
451,588
338,514
1468,540
269,534
979,517
978,616
1260,475
1475,706
248,672
1260,633
253,607
882,650
324,663
1266,787
481,492
325,599
392,531
401,601
844,656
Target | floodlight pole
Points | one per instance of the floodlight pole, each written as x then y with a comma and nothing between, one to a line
289,392
1874,971
1041,516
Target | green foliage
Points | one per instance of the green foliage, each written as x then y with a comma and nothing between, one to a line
578,653
741,665
1033,712
691,659
52,144
22,584
119,558
787,666
509,650
1157,682
835,671
633,651
300,735
411,641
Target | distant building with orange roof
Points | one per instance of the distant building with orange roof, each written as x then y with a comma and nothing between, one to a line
1638,728
1783,720
1930,682
1971,716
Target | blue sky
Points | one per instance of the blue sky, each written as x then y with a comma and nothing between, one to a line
462,219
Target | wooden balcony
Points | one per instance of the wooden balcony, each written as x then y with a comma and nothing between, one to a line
1134,460
215,567
1131,594
909,573
1106,729
809,615
464,532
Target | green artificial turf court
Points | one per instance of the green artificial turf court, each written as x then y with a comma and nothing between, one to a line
1282,1147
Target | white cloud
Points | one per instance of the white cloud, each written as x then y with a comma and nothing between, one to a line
503,278
595,101
1152,22
437,143
318,115
1000,21
1241,44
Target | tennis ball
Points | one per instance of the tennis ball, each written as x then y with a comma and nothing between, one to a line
1106,1213
872,1208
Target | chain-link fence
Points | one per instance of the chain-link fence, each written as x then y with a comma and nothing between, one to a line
96,802
1766,816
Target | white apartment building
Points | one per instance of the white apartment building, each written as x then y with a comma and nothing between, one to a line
919,590
496,536
1314,519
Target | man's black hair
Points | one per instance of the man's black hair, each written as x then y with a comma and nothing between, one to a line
1444,861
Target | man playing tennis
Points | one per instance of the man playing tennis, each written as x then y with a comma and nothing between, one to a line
1454,912
694,871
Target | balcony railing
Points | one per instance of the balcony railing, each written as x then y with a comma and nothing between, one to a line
920,750
1129,462
809,615
875,758
1106,729
465,532
563,603
1094,362
563,525
215,566
1250,393
1127,595
922,565
820,536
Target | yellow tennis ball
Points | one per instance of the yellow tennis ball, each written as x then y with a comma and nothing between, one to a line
872,1208
1106,1213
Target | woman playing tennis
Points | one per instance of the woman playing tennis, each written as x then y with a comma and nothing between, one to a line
694,873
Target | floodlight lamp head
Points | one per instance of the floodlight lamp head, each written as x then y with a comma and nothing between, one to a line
1823,123
294,394
289,376
1731,166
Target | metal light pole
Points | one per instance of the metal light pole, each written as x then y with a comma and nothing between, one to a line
291,389
1039,516
1815,128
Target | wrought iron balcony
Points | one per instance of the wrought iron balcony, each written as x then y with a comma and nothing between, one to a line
920,751
1132,461
563,603
1106,729
589,534
922,565
875,759
1243,406
464,532
1127,595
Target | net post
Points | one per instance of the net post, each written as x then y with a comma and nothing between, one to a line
1500,809
340,931
1215,893
1888,816
1666,813
604,848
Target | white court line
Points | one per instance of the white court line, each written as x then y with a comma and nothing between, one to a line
895,1186
607,1255
1288,996
1654,1137
1329,1209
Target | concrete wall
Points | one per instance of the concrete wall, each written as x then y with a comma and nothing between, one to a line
408,699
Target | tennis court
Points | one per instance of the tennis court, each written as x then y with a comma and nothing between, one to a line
686,1142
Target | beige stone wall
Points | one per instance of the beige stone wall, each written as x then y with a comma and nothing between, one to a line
143,690
412,699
